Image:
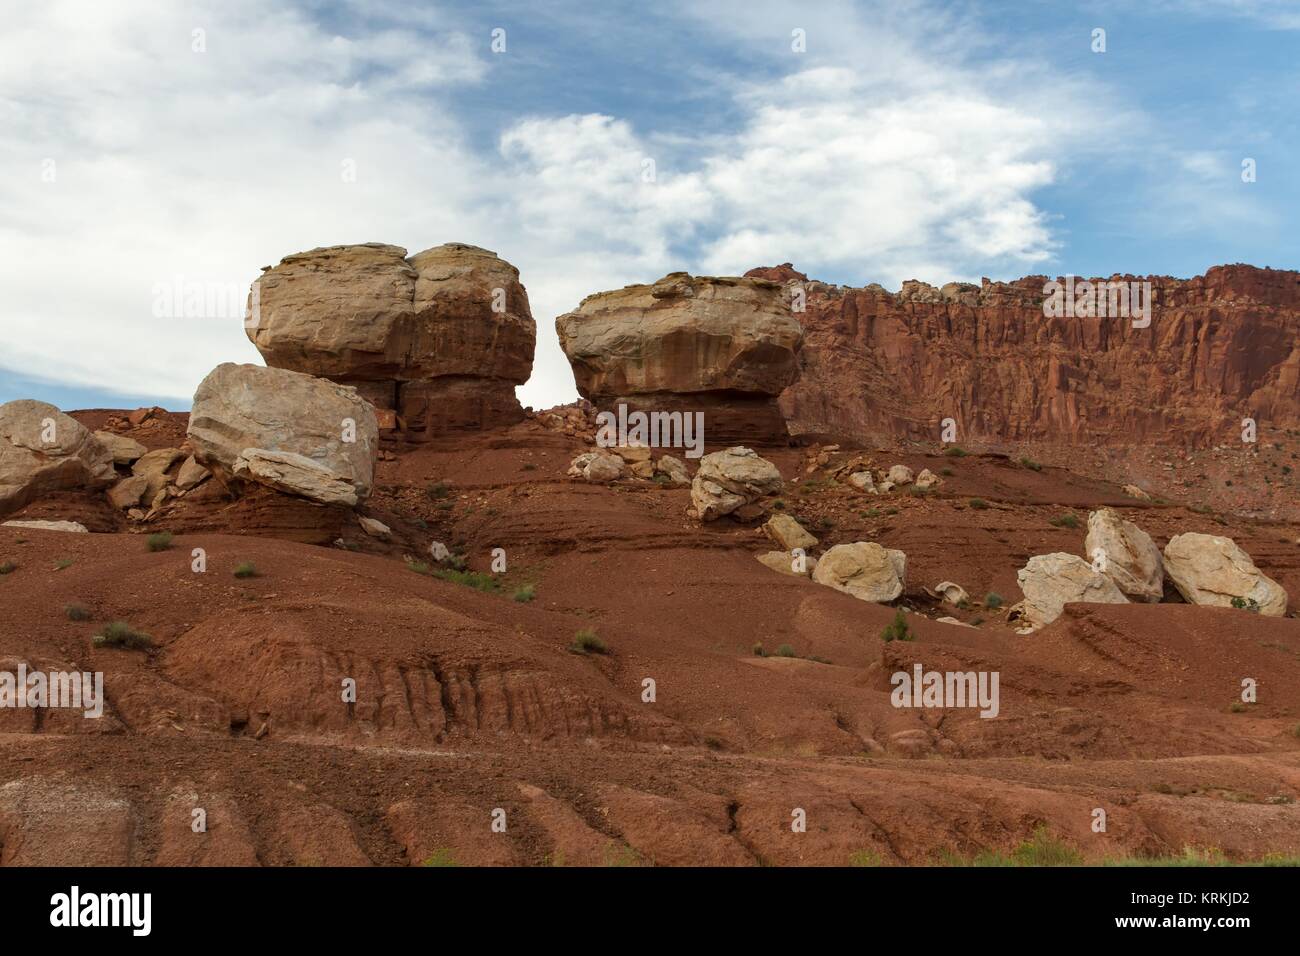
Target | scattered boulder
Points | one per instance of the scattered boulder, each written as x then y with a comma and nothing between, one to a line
863,481
787,563
953,594
123,449
674,469
1133,491
928,479
899,475
788,533
642,469
597,466
632,453
1051,581
374,527
728,480
1212,570
726,347
128,492
441,337
191,475
863,569
75,527
44,450
285,430
1126,554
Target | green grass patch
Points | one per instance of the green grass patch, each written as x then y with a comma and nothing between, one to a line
120,634
246,569
440,857
897,629
478,580
525,594
993,600
1029,463
1065,521
586,642
159,542
979,504
76,612
955,452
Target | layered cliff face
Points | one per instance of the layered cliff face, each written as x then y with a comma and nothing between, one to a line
1218,348
725,347
441,337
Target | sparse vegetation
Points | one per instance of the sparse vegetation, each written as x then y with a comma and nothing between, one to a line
1065,521
478,580
979,504
8,567
62,564
159,542
993,600
586,642
779,504
1029,463
438,490
946,472
120,634
1041,849
955,452
897,629
76,612
759,652
246,569
864,858
525,594
440,857
785,650
419,567
1246,604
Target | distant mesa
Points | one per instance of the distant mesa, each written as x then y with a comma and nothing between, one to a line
724,346
436,341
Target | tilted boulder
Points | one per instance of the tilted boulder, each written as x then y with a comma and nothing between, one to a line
726,347
1126,554
731,479
1051,581
44,450
286,430
597,466
863,569
441,337
788,533
123,449
787,562
1209,569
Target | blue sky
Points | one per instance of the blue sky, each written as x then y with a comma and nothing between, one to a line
910,139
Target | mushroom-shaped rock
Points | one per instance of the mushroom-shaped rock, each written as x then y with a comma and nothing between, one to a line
443,336
863,569
1209,569
299,434
1126,554
44,450
726,347
1051,581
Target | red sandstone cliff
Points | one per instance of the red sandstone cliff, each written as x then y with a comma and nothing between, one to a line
1220,347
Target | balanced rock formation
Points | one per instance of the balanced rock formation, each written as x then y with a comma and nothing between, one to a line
1126,554
726,347
1209,569
441,338
44,450
875,362
1051,581
863,569
729,480
293,432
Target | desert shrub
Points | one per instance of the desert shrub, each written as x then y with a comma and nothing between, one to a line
785,650
759,652
1029,463
779,504
76,612
159,542
440,857
1065,521
478,580
8,567
438,490
121,634
586,642
62,564
946,472
955,452
525,594
979,504
897,629
246,569
993,600
419,567
1246,604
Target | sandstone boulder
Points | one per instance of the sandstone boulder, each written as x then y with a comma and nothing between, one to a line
899,475
597,466
442,337
123,449
75,527
949,592
1051,581
44,450
674,469
728,480
128,492
863,481
788,533
1209,569
722,346
863,569
191,474
1126,554
286,430
153,466
928,479
787,563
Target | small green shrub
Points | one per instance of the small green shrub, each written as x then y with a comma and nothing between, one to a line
246,569
478,580
759,652
897,629
8,567
586,642
955,452
1065,521
946,472
785,650
438,490
1246,604
525,594
62,564
440,857
993,600
1031,464
159,542
979,504
75,612
120,634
